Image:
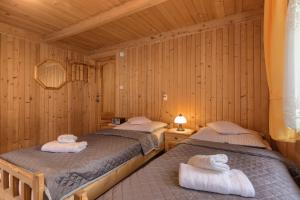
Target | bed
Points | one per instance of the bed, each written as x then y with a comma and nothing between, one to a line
111,155
269,173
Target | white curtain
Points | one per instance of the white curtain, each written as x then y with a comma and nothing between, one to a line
292,69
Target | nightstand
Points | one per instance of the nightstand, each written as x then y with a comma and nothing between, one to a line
105,125
172,137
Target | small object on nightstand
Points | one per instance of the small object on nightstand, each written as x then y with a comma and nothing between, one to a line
173,137
118,120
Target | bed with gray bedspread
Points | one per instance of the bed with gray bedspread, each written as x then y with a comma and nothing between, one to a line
159,179
67,172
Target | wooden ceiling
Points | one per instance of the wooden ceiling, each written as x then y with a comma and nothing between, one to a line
49,17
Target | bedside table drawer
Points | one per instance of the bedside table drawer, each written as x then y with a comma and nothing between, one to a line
170,145
175,137
171,140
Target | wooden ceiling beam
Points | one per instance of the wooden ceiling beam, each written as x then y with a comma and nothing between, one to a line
126,9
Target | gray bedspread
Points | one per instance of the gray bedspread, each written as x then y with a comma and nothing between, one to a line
148,141
159,179
66,172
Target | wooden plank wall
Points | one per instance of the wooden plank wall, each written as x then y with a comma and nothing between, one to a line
29,114
217,73
289,149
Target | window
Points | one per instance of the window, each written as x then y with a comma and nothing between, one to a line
292,69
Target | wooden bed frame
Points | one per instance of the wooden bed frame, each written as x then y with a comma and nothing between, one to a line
20,184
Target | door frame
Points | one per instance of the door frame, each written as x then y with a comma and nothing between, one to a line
101,123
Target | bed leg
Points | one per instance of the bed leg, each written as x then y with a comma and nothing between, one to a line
81,195
38,186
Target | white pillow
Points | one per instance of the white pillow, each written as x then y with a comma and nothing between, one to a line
139,120
67,138
147,127
226,127
252,140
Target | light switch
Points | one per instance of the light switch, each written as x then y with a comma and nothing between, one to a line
165,97
121,87
122,54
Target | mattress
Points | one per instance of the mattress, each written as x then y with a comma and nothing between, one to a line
159,180
66,172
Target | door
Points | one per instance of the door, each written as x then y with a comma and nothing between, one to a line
106,89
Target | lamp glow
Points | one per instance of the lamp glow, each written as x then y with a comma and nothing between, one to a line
180,119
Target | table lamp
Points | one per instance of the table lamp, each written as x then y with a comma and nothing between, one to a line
180,119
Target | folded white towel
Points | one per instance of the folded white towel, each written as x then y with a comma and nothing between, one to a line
230,182
67,138
57,147
214,162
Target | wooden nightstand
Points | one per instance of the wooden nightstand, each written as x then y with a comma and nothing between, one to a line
172,137
105,125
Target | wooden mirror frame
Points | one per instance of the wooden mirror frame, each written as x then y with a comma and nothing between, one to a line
36,75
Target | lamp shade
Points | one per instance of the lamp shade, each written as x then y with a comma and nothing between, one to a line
180,119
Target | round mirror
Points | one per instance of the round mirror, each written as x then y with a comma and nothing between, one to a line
50,74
